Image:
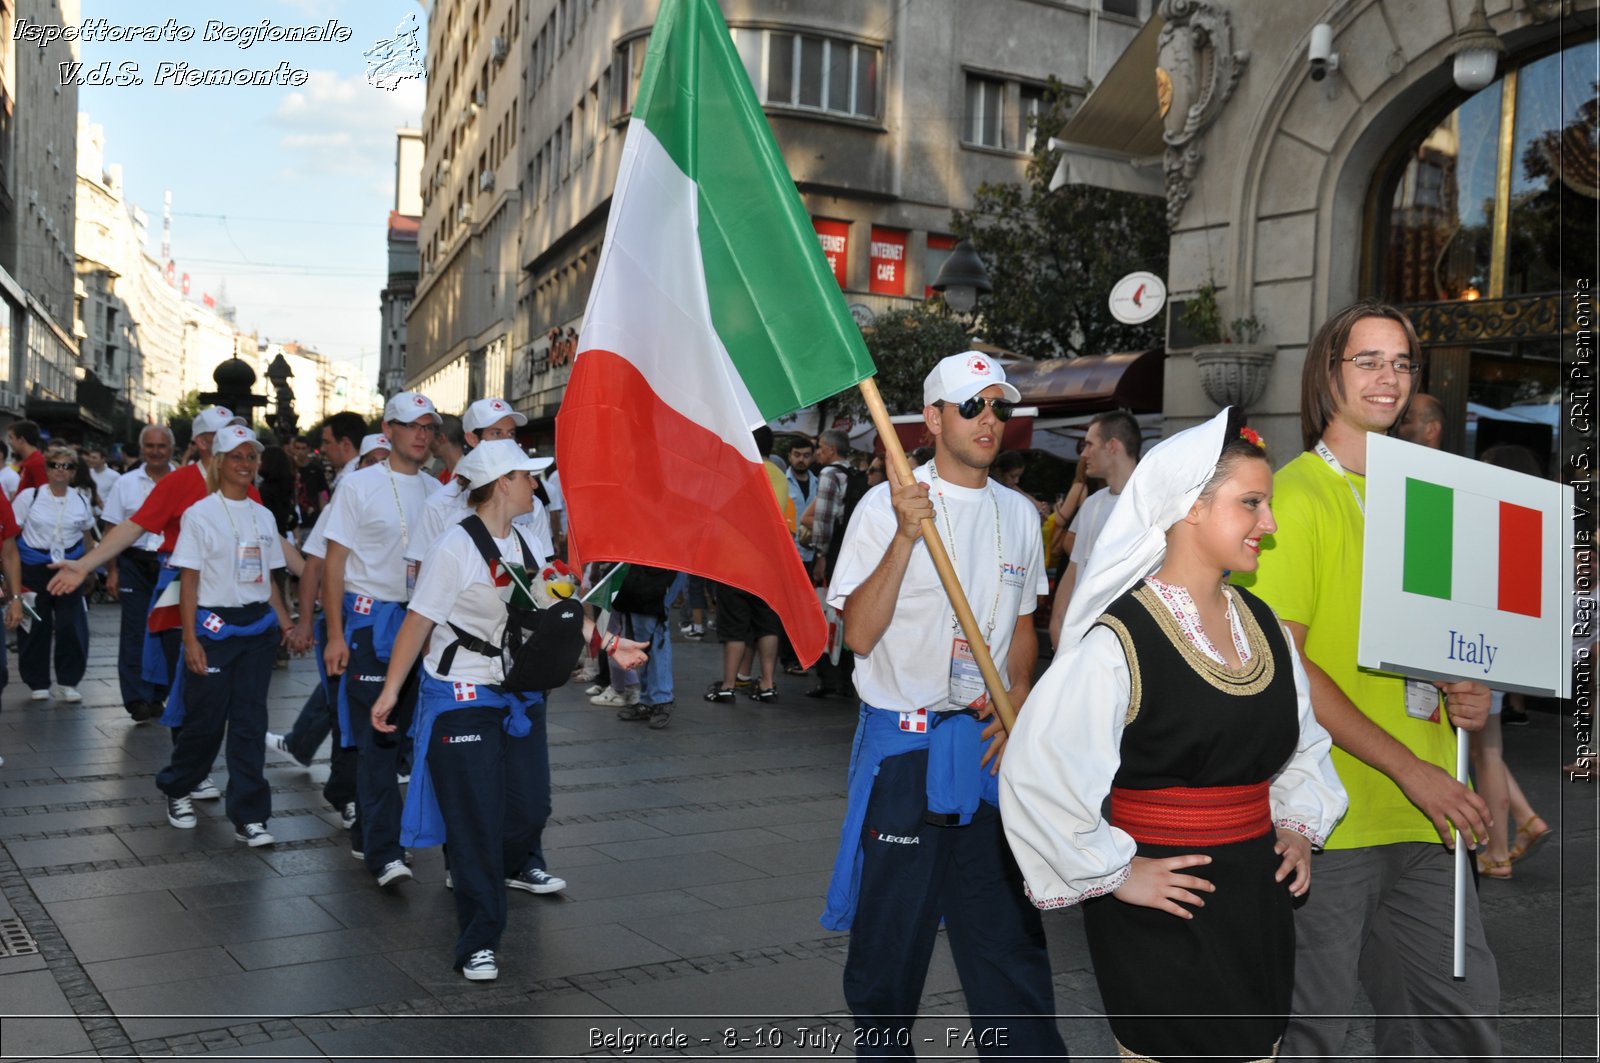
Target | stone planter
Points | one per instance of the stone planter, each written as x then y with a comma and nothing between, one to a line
1234,374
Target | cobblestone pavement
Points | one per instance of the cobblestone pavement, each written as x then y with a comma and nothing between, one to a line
697,857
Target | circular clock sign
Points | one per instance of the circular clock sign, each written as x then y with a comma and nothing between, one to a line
1137,298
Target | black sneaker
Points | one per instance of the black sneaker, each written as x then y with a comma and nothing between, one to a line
718,692
660,716
635,713
764,694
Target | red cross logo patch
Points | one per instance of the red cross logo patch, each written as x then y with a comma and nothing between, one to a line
915,722
419,400
363,605
212,623
977,364
466,691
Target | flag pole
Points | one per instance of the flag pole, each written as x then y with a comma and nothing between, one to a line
941,559
1458,950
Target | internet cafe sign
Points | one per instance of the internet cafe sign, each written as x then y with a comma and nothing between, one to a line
1465,575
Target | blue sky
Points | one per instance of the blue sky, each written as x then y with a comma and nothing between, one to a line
282,193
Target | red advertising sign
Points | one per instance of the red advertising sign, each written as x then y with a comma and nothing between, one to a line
835,239
888,261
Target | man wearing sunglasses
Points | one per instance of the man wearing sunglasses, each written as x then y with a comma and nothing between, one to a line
921,839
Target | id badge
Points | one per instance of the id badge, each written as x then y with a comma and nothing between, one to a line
1422,700
967,689
411,578
247,567
57,553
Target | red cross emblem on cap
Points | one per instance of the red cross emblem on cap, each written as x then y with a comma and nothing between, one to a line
224,411
419,400
497,405
979,365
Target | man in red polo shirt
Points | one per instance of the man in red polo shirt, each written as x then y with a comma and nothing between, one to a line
23,438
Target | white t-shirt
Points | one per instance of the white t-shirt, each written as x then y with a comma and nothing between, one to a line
909,667
124,500
104,481
10,479
214,531
1086,525
454,588
316,544
47,520
448,507
353,465
374,513
558,501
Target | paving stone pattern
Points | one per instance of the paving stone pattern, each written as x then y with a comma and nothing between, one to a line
697,858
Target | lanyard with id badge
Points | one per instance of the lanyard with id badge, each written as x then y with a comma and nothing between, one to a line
1422,697
412,567
249,563
967,688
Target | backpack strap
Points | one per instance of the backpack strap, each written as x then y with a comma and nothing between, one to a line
474,527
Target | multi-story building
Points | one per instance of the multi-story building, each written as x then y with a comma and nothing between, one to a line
889,115
395,300
140,336
38,149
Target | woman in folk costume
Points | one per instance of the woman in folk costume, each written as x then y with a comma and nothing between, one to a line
481,778
1183,699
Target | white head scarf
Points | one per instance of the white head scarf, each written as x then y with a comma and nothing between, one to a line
1133,543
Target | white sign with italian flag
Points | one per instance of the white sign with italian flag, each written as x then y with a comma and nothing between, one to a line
1467,571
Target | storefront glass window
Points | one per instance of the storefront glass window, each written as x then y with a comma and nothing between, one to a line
1553,175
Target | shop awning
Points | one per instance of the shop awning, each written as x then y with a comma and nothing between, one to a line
1092,384
1114,138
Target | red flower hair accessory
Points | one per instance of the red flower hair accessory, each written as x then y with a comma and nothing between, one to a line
1249,435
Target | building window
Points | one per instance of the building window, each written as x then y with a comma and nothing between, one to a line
985,113
814,73
1125,8
1027,114
626,69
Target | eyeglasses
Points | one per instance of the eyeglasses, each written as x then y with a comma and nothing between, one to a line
63,466
1372,363
974,406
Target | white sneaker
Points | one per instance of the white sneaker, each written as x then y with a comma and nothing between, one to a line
253,834
481,967
180,813
402,778
39,695
206,791
277,742
609,698
347,817
592,689
71,694
393,871
449,883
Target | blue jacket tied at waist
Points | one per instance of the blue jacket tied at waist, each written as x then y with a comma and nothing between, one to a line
219,625
421,823
956,783
385,619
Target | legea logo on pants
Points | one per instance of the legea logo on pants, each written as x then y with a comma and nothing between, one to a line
894,839
370,678
451,740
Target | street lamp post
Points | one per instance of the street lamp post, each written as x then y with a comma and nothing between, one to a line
963,278
285,421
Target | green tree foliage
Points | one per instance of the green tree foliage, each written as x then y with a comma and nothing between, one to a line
182,417
904,344
1053,256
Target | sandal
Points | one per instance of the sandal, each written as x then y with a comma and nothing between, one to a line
764,694
718,692
1528,839
1488,868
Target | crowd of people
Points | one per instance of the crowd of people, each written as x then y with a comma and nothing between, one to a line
1253,824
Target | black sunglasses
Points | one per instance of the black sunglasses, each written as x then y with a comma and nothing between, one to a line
972,407
63,465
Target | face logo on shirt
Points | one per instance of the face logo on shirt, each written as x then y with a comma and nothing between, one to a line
1013,575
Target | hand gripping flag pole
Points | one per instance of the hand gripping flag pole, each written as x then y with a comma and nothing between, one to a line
941,558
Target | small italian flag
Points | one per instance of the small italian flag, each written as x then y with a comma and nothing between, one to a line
713,312
1472,549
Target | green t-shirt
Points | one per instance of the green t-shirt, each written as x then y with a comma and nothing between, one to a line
1310,574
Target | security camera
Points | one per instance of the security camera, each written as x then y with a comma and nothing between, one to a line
1321,55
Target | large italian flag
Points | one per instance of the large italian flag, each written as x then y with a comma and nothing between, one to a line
713,311
1472,548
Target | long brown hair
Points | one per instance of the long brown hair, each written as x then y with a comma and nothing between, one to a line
1321,383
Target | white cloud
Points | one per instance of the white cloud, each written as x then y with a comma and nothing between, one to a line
342,125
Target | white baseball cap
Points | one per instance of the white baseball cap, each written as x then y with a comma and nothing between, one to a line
375,441
231,436
961,376
212,418
487,462
410,406
485,412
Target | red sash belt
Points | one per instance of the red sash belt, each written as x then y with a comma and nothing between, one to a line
1183,815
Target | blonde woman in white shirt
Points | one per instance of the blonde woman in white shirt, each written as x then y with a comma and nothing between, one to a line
57,524
232,622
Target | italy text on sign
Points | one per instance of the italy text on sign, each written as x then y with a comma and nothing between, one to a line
1466,572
